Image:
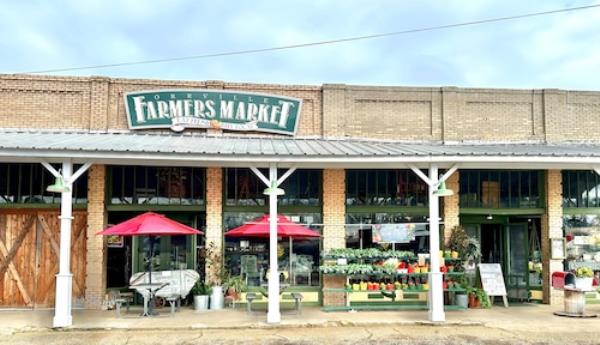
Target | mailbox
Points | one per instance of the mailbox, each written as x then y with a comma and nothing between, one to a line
562,279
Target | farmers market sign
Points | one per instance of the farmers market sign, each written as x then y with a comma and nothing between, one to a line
236,111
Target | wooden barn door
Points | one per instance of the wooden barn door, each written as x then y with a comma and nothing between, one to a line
29,256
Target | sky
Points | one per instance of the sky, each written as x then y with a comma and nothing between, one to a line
553,51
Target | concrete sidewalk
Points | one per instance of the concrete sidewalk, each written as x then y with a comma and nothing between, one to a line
526,317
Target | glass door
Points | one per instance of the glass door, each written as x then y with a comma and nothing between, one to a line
516,265
168,252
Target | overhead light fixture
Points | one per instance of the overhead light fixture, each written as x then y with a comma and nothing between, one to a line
442,191
489,217
273,189
59,186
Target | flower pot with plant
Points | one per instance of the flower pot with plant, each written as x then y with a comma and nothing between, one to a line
234,286
216,275
584,277
201,293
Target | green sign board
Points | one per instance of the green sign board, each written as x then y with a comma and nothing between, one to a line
228,110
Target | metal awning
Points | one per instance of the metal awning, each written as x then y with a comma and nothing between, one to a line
226,150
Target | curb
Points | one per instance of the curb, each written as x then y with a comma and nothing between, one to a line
324,324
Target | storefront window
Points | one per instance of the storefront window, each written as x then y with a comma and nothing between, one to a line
156,185
359,231
249,257
500,189
582,233
26,183
581,188
385,187
244,188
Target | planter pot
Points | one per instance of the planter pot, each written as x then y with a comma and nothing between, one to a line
584,284
462,300
201,302
216,299
474,302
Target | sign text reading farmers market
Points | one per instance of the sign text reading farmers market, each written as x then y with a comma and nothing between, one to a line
180,109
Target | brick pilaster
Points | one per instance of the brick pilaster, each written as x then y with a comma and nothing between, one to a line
552,223
214,211
334,208
99,103
451,206
95,278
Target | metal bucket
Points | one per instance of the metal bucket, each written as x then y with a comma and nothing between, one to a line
216,299
201,302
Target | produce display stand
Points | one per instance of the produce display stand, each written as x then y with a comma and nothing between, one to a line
385,290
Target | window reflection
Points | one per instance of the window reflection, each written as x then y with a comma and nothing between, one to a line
249,257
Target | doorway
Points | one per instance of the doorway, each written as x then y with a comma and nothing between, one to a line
169,252
505,240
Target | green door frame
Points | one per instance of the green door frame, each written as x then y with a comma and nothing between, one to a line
504,221
165,250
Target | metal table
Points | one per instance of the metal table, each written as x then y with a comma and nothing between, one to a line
149,295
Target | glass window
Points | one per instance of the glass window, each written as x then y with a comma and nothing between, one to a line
580,188
156,185
359,231
385,187
249,257
26,183
499,189
244,188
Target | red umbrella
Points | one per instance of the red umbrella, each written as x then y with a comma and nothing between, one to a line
285,228
150,224
260,228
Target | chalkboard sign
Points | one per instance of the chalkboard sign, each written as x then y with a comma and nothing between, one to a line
492,281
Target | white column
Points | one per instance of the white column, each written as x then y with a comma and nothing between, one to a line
274,314
64,278
436,291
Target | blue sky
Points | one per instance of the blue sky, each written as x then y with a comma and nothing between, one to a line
554,51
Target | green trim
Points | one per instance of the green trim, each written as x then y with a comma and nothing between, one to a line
298,288
414,210
280,209
502,211
165,208
581,210
43,206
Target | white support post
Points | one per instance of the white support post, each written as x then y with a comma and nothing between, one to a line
273,314
436,291
64,278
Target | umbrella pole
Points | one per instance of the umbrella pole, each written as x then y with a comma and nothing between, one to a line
290,276
150,260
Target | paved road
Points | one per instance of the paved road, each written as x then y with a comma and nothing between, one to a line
380,335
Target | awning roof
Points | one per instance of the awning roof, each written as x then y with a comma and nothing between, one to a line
201,149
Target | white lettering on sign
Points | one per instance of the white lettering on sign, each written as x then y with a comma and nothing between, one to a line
225,110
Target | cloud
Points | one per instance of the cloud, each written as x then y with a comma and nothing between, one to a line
558,50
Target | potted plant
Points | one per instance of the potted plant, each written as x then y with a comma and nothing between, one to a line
201,293
478,298
234,286
216,275
465,248
461,297
584,277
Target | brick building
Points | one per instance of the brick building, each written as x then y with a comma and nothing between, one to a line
521,163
